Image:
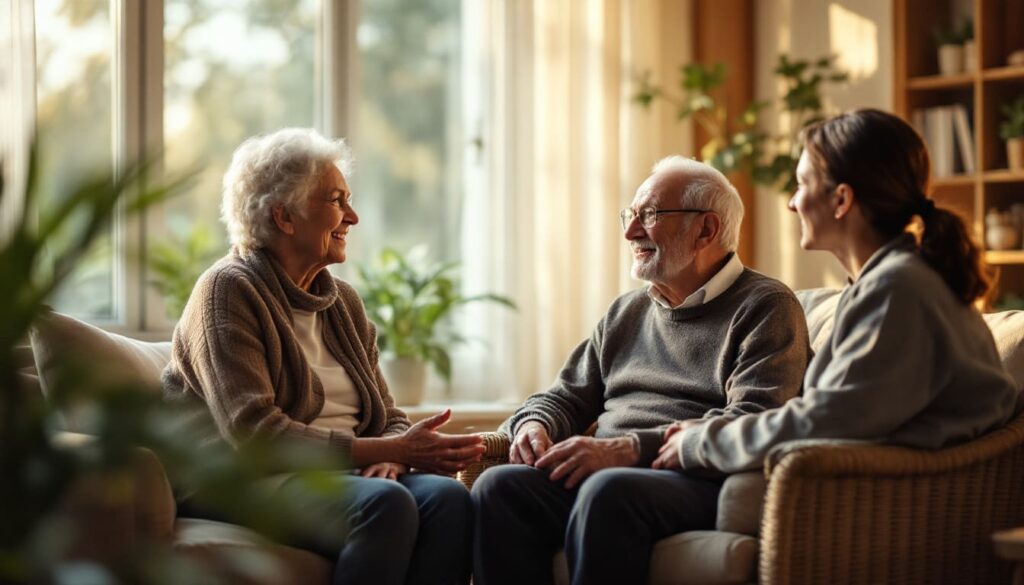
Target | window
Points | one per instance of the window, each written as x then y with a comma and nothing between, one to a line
231,69
74,49
407,134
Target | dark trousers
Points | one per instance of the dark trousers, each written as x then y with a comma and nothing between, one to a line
417,530
608,526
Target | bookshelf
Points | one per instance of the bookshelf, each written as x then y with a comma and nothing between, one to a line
918,87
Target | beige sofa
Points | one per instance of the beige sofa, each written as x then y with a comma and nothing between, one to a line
833,512
108,524
839,512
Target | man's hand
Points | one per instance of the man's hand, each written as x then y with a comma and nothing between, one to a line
384,470
577,458
531,442
668,454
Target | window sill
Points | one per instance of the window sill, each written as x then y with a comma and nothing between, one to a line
467,417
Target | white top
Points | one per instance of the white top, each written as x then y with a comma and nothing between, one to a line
341,401
716,285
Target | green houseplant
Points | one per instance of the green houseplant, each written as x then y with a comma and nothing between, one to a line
950,42
736,143
411,304
178,263
1012,131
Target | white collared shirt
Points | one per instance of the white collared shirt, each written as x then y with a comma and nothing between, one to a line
716,285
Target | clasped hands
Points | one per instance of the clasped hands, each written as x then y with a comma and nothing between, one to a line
578,457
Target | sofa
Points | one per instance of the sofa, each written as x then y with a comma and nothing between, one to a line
821,512
851,512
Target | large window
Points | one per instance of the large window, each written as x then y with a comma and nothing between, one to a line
231,69
74,50
408,138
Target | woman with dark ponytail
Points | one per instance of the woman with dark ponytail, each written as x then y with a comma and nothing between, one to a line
910,361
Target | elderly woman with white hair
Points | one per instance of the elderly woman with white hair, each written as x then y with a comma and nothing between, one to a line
276,347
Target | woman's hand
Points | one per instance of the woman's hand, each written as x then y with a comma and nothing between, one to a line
423,447
384,470
668,454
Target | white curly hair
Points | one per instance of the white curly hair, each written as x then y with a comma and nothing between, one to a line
707,188
280,168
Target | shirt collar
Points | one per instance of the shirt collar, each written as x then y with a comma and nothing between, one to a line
715,286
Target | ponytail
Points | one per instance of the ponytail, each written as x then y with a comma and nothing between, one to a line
947,246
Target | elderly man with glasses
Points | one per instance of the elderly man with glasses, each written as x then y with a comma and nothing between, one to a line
706,338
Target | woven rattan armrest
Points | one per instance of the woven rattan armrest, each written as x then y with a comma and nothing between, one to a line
871,513
495,453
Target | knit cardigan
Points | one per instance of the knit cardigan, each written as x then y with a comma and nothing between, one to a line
235,350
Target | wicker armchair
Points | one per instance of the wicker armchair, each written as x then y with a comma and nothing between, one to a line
838,512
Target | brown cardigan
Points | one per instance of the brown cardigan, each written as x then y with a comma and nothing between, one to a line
235,349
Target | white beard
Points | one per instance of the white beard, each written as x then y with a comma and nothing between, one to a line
661,264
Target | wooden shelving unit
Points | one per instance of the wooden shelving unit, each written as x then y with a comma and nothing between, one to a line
998,31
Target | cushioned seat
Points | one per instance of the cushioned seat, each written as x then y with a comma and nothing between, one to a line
240,555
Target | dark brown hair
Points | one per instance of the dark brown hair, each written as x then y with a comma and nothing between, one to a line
886,164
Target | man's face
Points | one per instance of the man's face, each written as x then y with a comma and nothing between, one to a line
662,252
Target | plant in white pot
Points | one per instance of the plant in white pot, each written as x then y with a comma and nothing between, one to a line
1012,131
410,303
950,42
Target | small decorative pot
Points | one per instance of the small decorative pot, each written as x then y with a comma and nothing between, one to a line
406,378
1001,231
970,56
1015,154
951,59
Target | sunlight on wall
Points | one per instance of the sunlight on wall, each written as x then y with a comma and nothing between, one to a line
854,41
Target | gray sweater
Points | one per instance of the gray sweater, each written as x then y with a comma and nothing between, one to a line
907,364
646,366
235,353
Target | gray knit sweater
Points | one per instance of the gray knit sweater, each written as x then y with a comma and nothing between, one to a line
907,364
235,350
646,366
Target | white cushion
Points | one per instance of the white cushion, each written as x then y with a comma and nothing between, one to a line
700,556
740,503
1008,330
819,306
118,359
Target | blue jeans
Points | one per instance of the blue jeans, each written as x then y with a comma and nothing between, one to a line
417,530
608,525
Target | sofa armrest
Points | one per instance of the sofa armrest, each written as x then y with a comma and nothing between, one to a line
112,511
877,513
496,446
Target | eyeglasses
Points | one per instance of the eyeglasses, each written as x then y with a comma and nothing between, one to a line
649,215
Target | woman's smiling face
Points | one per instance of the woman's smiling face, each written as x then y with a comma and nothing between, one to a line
322,227
814,202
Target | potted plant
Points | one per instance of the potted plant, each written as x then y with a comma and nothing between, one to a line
737,143
950,42
410,304
1012,131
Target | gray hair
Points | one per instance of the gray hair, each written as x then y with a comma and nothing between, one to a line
707,188
281,168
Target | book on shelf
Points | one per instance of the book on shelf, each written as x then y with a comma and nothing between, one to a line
947,131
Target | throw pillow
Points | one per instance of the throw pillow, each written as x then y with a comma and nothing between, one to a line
59,339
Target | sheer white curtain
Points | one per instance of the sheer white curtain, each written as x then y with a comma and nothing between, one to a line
17,103
559,148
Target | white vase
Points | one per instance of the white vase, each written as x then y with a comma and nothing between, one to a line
970,56
1015,154
951,59
406,378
